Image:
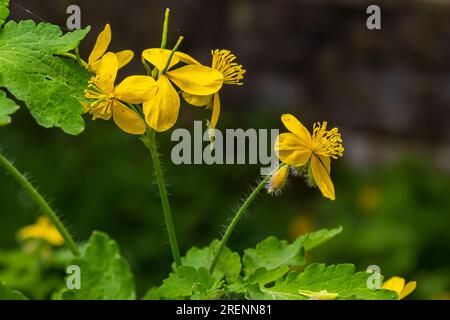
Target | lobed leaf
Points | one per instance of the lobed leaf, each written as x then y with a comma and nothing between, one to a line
7,107
49,85
105,274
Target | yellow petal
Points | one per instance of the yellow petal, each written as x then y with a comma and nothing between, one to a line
136,89
395,284
290,150
215,111
86,106
410,287
195,79
196,100
161,113
107,69
158,58
186,58
293,125
127,120
320,168
124,57
101,45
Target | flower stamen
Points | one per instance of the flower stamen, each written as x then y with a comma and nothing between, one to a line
327,143
223,61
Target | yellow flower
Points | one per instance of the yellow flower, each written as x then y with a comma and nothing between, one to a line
108,97
298,147
42,229
101,46
233,73
161,113
397,284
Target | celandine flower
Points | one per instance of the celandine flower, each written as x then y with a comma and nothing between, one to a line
108,97
298,148
161,113
42,229
397,284
233,73
101,46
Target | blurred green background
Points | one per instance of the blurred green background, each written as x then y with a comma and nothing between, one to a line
388,91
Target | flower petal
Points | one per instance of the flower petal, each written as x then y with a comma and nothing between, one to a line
124,57
320,168
186,58
196,100
196,79
295,126
395,284
216,111
290,150
136,89
158,58
161,113
127,119
410,287
101,45
107,69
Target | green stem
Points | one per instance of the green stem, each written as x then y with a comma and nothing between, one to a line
175,48
149,141
165,29
238,217
23,181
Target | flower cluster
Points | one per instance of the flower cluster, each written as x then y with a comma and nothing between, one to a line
153,101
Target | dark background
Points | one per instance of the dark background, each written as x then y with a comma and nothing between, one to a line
387,90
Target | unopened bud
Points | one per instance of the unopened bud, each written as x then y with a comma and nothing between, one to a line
278,180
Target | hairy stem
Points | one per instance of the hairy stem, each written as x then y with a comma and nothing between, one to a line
40,201
237,218
149,141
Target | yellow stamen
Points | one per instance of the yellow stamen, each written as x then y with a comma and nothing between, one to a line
326,143
223,61
102,91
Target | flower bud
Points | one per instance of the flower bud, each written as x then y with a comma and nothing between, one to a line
278,180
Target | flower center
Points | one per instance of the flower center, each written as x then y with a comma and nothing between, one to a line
102,91
325,142
223,61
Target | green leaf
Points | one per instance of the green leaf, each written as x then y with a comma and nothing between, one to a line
4,11
228,265
335,279
7,107
49,85
7,293
316,238
105,274
185,282
272,253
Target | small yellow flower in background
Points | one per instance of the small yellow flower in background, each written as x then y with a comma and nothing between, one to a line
320,295
298,148
397,284
278,180
161,113
108,97
101,46
42,229
233,73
